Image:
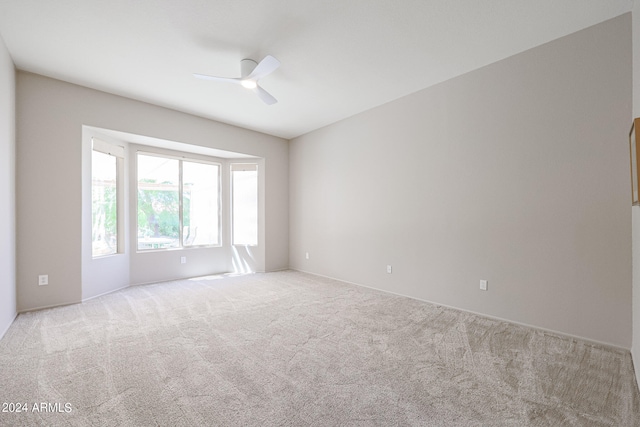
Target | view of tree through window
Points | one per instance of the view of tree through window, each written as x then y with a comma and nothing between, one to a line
200,204
160,224
158,202
104,204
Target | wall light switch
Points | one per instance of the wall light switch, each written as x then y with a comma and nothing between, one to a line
484,285
43,279
183,260
306,255
389,269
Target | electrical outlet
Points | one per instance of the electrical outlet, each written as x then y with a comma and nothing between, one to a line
183,260
43,279
306,255
484,285
389,269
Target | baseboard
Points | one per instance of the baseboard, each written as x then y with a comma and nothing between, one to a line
44,307
488,316
276,270
635,372
224,273
105,293
69,303
15,316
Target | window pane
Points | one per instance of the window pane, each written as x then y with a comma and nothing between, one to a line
104,209
200,216
245,206
158,203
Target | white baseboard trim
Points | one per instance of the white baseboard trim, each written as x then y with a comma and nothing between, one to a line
183,278
276,270
636,370
15,316
105,293
44,307
562,334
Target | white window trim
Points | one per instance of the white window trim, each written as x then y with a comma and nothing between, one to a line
107,148
118,152
233,167
180,158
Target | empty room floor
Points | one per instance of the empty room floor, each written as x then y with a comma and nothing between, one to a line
290,348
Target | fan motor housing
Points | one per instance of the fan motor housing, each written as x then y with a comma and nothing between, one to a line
247,66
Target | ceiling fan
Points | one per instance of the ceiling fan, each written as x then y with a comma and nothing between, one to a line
251,72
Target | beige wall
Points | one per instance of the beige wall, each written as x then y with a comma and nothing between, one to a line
517,173
635,349
51,115
7,191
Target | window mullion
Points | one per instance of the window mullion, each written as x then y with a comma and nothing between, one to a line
198,205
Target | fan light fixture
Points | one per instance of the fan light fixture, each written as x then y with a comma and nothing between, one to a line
249,84
251,72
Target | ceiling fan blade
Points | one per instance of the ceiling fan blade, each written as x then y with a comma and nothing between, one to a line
265,96
214,78
266,66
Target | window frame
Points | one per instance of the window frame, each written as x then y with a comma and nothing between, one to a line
118,152
180,159
243,166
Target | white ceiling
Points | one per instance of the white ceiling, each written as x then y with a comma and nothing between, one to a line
339,57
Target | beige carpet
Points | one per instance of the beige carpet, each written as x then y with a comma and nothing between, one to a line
297,350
